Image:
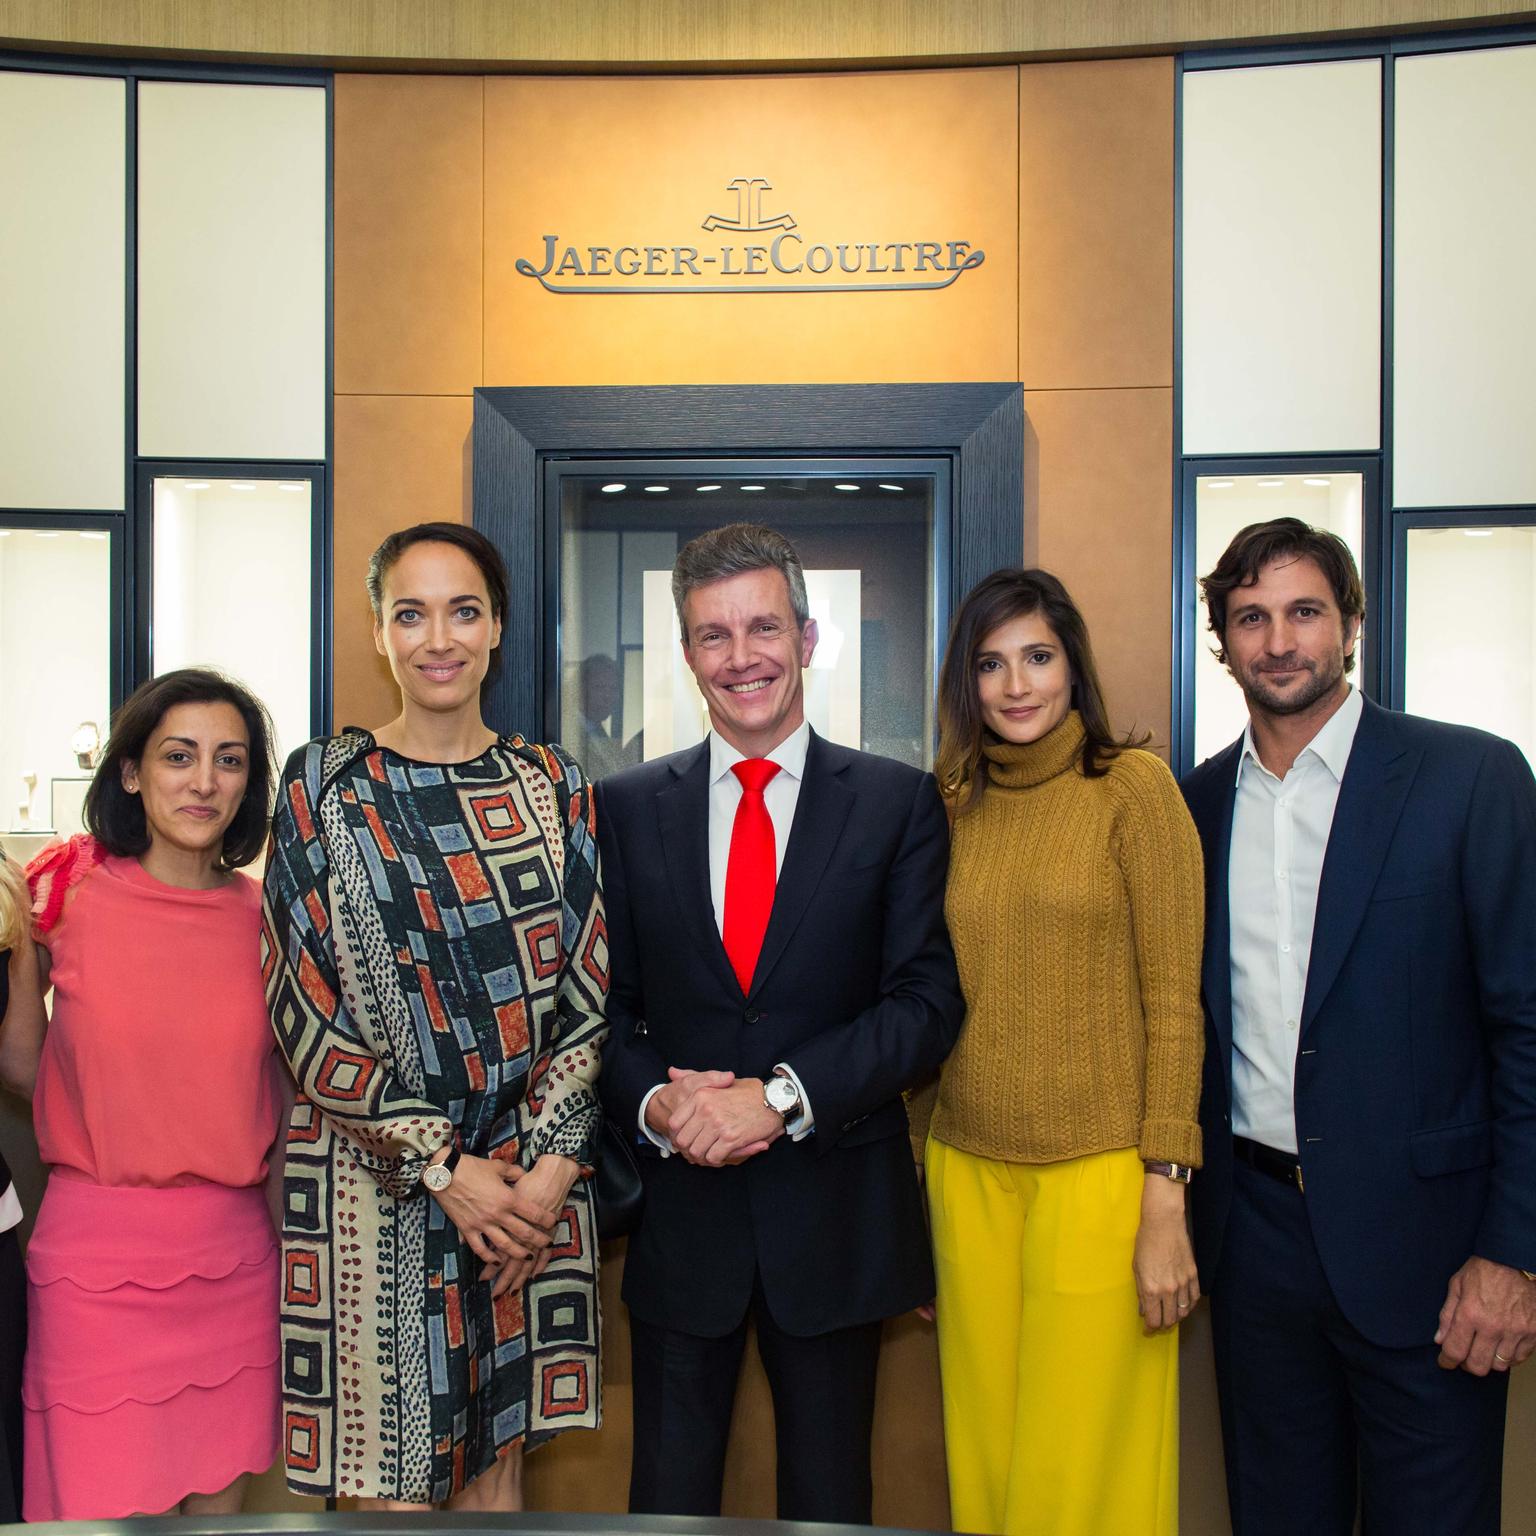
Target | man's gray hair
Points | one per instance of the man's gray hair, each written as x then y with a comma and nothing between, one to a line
731,551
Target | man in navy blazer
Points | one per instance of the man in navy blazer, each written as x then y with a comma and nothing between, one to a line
1365,1222
765,1082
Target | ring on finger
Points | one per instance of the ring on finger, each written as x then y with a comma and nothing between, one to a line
1502,1359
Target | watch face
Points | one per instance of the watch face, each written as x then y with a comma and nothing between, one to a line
782,1095
436,1177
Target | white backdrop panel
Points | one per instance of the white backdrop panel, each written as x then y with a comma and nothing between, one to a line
62,277
1463,302
1282,258
231,271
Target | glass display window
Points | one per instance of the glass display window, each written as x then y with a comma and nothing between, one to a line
869,534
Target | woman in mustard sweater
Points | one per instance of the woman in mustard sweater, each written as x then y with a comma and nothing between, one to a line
1063,1129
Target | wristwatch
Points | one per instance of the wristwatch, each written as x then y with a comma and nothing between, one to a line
438,1176
1180,1173
781,1095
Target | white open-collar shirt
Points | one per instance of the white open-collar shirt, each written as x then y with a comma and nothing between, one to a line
1280,830
780,795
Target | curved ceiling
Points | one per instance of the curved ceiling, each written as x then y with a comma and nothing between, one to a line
609,35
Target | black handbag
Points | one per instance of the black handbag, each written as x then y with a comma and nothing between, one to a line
616,1187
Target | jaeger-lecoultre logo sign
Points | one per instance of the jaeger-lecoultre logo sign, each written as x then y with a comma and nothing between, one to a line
789,262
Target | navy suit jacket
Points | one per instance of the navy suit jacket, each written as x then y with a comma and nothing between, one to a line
855,989
1415,1093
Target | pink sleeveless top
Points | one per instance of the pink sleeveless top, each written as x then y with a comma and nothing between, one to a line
159,1066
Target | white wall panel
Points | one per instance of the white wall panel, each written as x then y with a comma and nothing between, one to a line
231,271
1464,302
62,277
1282,258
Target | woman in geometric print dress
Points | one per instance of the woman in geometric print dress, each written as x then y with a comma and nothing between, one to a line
436,970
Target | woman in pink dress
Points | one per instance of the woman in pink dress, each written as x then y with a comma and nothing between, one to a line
151,1377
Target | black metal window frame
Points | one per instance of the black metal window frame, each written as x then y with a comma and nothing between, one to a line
1403,523
978,428
133,593
1384,533
147,471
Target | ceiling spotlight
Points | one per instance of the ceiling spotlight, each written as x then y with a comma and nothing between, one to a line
706,487
658,487
753,487
1478,533
1269,482
241,485
293,485
194,485
85,535
1217,485
845,485
617,485
885,486
1318,480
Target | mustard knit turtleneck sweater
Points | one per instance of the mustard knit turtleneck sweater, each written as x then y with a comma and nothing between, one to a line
1076,909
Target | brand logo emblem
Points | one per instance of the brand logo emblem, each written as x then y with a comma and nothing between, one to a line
749,218
788,263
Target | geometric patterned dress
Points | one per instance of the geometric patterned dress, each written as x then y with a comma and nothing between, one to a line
436,964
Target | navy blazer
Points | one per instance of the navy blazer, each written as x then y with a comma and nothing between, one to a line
855,988
1415,1094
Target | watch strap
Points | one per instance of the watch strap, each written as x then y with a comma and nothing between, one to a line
1180,1173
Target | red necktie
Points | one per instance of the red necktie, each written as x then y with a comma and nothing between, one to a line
751,873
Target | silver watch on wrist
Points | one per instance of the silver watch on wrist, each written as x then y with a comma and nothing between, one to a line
781,1096
438,1176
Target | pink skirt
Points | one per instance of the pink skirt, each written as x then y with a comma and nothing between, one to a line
152,1347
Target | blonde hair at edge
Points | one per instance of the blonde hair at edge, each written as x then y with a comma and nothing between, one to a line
14,904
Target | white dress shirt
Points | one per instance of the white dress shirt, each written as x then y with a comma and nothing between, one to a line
1280,831
10,1209
781,795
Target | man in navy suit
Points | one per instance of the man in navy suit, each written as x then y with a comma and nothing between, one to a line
1366,1218
780,971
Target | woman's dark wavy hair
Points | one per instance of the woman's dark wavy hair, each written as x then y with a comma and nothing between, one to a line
961,767
474,544
116,819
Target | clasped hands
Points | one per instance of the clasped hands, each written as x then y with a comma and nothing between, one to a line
713,1118
1488,1322
507,1214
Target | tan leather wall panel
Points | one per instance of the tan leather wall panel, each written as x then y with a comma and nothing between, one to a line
906,156
852,158
407,212
399,460
1096,224
1098,488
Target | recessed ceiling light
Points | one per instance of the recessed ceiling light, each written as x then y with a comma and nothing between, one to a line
85,535
658,487
706,487
884,486
1478,533
1316,480
194,485
44,533
752,487
1218,485
241,485
1269,482
5,533
617,485
845,485
293,485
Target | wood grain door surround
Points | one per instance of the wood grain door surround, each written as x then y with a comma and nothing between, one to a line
979,427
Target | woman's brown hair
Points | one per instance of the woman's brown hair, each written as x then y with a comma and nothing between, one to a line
961,768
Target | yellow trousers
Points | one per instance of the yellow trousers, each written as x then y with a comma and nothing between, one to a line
1061,1415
